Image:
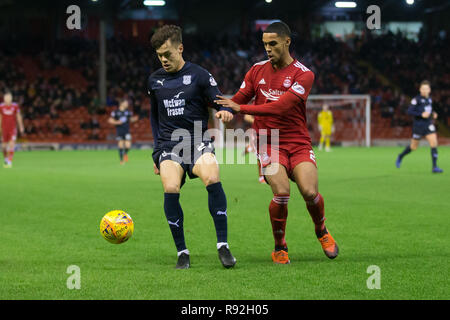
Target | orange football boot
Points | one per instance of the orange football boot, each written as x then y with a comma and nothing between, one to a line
125,157
280,256
329,246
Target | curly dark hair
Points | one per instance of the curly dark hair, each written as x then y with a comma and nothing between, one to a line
165,33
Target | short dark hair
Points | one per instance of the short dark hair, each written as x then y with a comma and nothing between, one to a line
425,82
280,28
165,33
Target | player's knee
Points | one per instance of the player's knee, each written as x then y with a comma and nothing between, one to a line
172,188
413,147
309,193
280,189
211,179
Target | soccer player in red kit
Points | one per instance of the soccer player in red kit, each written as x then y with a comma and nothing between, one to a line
281,86
9,114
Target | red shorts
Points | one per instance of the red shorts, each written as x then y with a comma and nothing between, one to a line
9,135
288,155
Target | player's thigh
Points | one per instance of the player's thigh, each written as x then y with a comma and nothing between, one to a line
207,168
277,177
171,174
128,144
326,132
305,176
432,139
414,144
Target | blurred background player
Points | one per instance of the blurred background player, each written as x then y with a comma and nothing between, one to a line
281,86
180,93
422,110
251,147
325,121
9,117
121,118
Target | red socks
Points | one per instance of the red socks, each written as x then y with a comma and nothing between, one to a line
316,209
278,210
11,155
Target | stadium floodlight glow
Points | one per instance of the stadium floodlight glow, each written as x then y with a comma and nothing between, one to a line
410,2
345,4
268,1
157,3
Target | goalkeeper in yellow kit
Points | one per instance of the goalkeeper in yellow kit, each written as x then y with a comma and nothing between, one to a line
325,120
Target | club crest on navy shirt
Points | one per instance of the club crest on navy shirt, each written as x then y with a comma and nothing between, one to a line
187,79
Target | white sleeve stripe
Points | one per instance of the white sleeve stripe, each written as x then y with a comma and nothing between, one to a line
261,63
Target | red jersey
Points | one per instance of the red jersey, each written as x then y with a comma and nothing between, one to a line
268,85
9,116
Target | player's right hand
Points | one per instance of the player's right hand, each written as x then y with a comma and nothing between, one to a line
224,115
155,169
426,114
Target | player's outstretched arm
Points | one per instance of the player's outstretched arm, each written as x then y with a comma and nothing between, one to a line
297,92
286,101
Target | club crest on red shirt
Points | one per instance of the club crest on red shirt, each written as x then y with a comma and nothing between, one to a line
287,82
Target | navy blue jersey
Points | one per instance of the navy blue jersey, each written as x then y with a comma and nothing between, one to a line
179,99
124,117
418,106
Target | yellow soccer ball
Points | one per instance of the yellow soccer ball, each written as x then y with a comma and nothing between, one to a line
116,226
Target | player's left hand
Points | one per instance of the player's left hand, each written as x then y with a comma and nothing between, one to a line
224,115
435,115
155,169
228,103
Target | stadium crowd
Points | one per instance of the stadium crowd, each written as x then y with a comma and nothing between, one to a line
382,66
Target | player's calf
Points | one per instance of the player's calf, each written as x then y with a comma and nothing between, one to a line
316,209
175,218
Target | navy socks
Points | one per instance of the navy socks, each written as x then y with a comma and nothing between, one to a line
174,215
217,203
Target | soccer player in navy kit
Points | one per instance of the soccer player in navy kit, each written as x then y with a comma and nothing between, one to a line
422,111
180,93
121,118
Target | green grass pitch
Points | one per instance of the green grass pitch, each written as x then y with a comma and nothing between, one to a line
397,219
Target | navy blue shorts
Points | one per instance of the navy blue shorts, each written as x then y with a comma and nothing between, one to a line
185,155
123,135
421,130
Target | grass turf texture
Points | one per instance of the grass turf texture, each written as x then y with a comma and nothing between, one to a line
52,203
